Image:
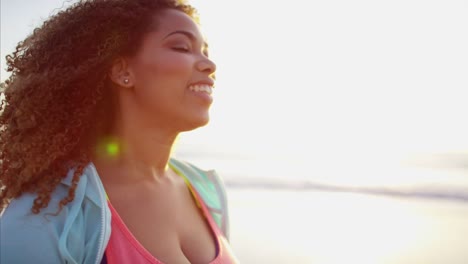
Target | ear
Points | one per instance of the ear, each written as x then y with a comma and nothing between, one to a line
120,73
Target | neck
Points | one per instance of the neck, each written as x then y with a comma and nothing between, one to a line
135,153
140,145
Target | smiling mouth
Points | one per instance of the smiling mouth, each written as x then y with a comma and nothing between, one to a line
201,88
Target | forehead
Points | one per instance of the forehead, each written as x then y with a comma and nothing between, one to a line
171,20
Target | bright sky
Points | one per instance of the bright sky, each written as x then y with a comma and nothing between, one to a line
329,83
309,78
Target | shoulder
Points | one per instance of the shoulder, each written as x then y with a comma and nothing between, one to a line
195,173
205,181
37,234
45,237
211,188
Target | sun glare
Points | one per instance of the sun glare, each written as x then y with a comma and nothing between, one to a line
336,228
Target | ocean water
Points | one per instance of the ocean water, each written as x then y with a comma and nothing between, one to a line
283,226
442,176
335,211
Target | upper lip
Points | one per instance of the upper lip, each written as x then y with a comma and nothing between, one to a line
204,82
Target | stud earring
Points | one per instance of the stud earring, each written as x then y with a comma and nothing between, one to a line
126,81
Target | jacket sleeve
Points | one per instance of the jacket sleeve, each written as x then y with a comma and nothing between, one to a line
29,238
68,237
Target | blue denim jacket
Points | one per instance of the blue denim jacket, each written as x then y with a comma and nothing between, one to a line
81,231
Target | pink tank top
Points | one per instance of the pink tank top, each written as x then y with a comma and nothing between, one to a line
124,248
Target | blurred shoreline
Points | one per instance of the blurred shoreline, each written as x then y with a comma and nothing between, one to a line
435,176
284,226
416,193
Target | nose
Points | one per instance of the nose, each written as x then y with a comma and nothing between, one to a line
207,66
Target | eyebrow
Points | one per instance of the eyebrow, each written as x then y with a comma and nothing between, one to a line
190,35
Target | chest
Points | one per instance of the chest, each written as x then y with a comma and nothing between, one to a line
167,223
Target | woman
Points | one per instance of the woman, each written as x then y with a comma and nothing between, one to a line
96,99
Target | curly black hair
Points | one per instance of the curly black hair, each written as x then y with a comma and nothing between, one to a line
57,98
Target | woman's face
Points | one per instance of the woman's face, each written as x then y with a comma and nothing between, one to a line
171,74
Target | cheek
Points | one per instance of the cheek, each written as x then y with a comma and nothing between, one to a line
161,81
167,67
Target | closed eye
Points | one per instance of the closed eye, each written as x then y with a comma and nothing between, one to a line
181,49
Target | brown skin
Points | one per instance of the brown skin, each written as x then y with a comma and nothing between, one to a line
67,92
59,99
154,106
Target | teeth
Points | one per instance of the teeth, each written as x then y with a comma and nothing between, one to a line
201,88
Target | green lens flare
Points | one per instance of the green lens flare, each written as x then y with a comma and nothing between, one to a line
112,149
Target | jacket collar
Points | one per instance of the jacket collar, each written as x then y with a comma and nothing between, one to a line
90,181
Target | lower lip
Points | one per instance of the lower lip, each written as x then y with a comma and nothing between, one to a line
203,96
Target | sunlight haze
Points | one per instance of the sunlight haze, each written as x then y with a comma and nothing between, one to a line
360,79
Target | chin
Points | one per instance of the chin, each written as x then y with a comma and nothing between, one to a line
199,121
